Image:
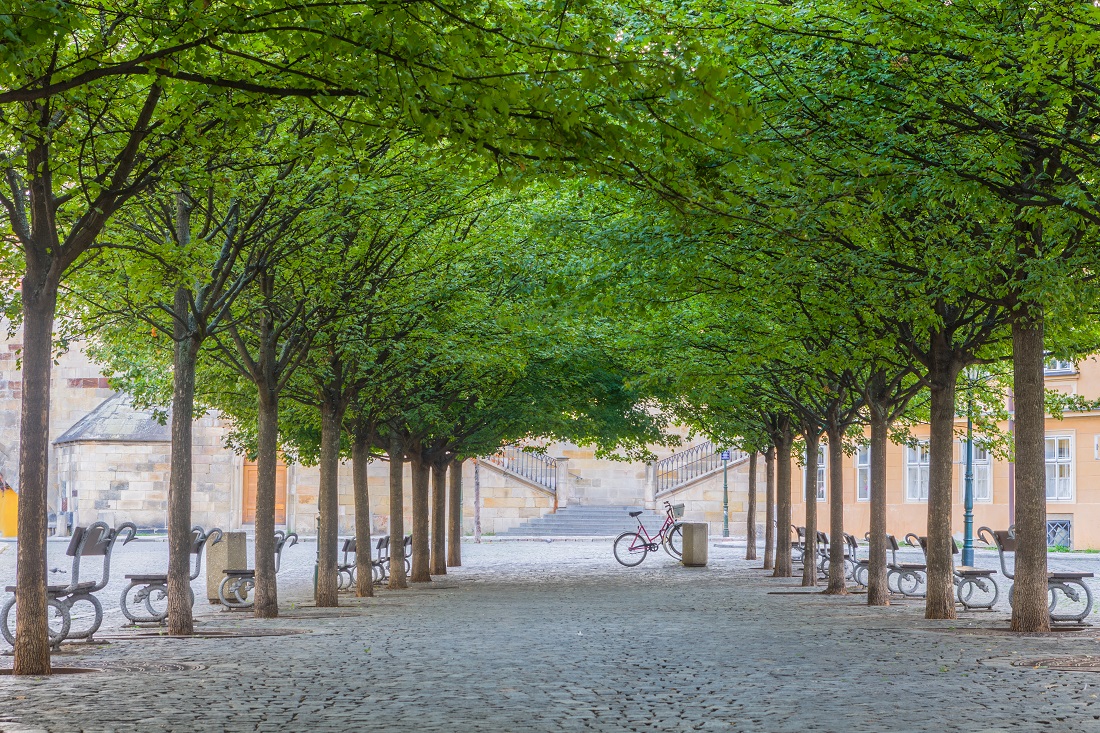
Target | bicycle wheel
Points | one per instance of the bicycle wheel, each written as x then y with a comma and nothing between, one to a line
674,541
630,549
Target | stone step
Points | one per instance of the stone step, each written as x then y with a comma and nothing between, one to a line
591,521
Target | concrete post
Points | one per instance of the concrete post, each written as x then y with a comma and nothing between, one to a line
563,482
696,536
229,554
650,489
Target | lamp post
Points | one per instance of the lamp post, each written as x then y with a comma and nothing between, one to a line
725,494
968,482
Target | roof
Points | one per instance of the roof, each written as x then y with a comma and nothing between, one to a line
117,420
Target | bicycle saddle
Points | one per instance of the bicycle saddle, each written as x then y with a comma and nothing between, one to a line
635,514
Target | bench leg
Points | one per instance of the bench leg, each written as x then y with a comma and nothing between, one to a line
97,621
147,605
1070,601
233,592
58,621
977,592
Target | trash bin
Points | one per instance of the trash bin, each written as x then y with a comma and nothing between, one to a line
696,537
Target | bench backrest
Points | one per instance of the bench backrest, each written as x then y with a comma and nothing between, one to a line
97,540
200,538
282,540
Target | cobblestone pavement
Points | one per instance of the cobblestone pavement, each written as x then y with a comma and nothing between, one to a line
536,636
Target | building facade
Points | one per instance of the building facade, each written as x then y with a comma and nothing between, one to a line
1072,466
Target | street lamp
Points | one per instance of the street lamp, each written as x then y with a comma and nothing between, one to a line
968,485
725,493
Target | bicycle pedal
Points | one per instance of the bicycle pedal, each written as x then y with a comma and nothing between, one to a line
654,547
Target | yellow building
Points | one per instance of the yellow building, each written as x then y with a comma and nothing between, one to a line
1073,476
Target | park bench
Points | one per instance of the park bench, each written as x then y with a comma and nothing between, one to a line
151,590
974,587
798,544
1068,596
908,577
345,569
237,585
95,540
408,555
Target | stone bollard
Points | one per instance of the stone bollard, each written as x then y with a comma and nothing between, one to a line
229,554
696,538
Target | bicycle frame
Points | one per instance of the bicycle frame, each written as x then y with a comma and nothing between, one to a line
660,536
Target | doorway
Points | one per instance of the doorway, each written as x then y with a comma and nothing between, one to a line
251,479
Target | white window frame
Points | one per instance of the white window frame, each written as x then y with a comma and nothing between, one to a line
1059,366
983,473
863,472
916,464
822,459
1064,468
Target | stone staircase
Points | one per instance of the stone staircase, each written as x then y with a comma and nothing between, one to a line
586,521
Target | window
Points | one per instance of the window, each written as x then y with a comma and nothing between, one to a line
983,473
916,472
1059,533
821,473
863,473
1059,366
1059,468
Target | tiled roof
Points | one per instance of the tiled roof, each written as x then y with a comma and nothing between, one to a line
117,420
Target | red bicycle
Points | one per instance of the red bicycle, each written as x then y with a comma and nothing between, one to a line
631,547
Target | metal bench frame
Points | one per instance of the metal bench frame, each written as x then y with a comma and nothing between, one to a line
1071,585
152,589
975,588
235,590
345,570
95,540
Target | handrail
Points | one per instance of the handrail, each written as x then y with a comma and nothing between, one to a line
538,468
682,467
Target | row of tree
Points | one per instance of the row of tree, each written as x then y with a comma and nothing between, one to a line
365,227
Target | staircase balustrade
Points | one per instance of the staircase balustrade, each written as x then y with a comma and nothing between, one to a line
537,468
688,465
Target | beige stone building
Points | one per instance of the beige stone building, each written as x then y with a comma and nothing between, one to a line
1072,464
110,461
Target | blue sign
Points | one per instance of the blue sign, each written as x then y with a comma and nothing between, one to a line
725,455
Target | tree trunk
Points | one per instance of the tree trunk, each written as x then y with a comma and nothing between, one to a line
750,520
454,533
267,458
421,550
360,459
1030,612
439,518
32,650
809,559
940,599
328,506
878,591
180,620
783,563
837,585
769,508
477,501
397,514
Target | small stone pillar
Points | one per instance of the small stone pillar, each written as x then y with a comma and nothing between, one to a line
696,536
229,554
650,488
561,482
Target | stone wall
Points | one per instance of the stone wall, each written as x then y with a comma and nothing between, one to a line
506,501
702,499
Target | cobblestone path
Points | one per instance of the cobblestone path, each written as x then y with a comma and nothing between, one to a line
557,637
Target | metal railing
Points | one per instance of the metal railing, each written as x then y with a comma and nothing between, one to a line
682,467
537,468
